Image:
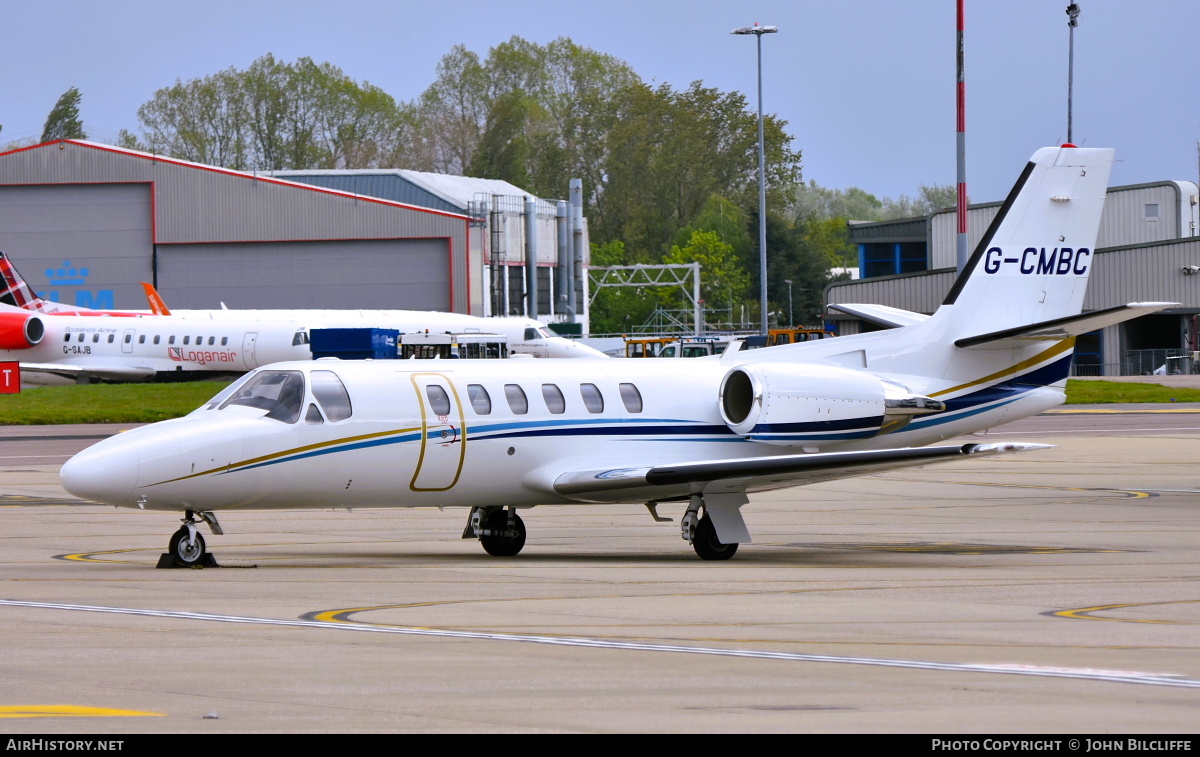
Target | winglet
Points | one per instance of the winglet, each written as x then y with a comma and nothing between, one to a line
157,306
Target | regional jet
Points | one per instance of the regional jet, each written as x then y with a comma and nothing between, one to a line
525,335
497,438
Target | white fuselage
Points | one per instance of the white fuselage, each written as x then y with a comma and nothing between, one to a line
399,448
525,335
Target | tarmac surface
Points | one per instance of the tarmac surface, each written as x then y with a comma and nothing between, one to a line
1055,591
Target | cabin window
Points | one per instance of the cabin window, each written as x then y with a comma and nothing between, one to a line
157,337
171,340
331,393
481,401
80,339
66,337
187,339
631,397
142,339
110,338
199,341
95,338
555,402
212,340
313,416
439,401
517,401
224,341
280,393
593,400
128,338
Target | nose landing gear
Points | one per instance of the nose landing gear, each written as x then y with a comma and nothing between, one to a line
186,548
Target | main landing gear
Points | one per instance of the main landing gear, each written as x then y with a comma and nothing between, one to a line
500,531
701,533
186,548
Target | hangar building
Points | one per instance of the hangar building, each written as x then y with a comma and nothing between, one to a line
501,224
1148,245
85,222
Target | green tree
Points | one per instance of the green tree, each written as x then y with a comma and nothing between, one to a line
723,279
277,115
929,198
63,121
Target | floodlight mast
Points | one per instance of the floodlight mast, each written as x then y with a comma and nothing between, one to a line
1072,22
758,31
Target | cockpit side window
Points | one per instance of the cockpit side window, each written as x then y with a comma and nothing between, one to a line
313,416
281,393
299,338
332,395
531,334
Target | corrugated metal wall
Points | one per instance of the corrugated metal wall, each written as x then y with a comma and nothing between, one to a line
1124,221
196,204
399,274
86,245
919,292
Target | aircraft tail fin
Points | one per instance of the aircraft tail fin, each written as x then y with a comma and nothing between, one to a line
1032,264
157,305
15,291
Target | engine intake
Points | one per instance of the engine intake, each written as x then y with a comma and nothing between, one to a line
814,405
20,331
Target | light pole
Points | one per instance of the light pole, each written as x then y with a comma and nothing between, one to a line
758,31
1072,22
791,319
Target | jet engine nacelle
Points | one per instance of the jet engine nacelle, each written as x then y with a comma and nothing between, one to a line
19,331
815,406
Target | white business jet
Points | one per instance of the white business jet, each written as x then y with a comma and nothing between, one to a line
498,437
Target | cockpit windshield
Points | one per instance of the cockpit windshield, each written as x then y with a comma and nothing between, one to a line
541,332
280,393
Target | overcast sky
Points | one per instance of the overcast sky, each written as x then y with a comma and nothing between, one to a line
867,87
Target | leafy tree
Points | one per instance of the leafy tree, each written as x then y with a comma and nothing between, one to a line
63,121
814,201
276,115
930,198
723,278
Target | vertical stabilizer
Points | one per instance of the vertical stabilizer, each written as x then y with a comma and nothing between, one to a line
1033,262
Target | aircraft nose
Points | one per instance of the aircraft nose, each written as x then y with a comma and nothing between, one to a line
102,473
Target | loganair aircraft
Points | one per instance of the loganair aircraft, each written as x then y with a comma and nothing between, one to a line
499,437
525,335
79,347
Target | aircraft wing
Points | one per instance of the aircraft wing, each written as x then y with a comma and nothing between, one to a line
881,315
680,480
1062,328
103,372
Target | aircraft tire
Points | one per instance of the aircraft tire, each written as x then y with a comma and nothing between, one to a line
503,546
707,545
184,553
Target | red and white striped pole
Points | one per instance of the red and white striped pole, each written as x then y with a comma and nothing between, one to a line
961,258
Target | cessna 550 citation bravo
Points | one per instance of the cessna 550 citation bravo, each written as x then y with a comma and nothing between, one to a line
498,437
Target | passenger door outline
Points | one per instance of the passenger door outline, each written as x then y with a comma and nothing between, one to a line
443,444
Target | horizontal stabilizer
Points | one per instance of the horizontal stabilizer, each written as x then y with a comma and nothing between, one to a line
665,482
1061,328
881,315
